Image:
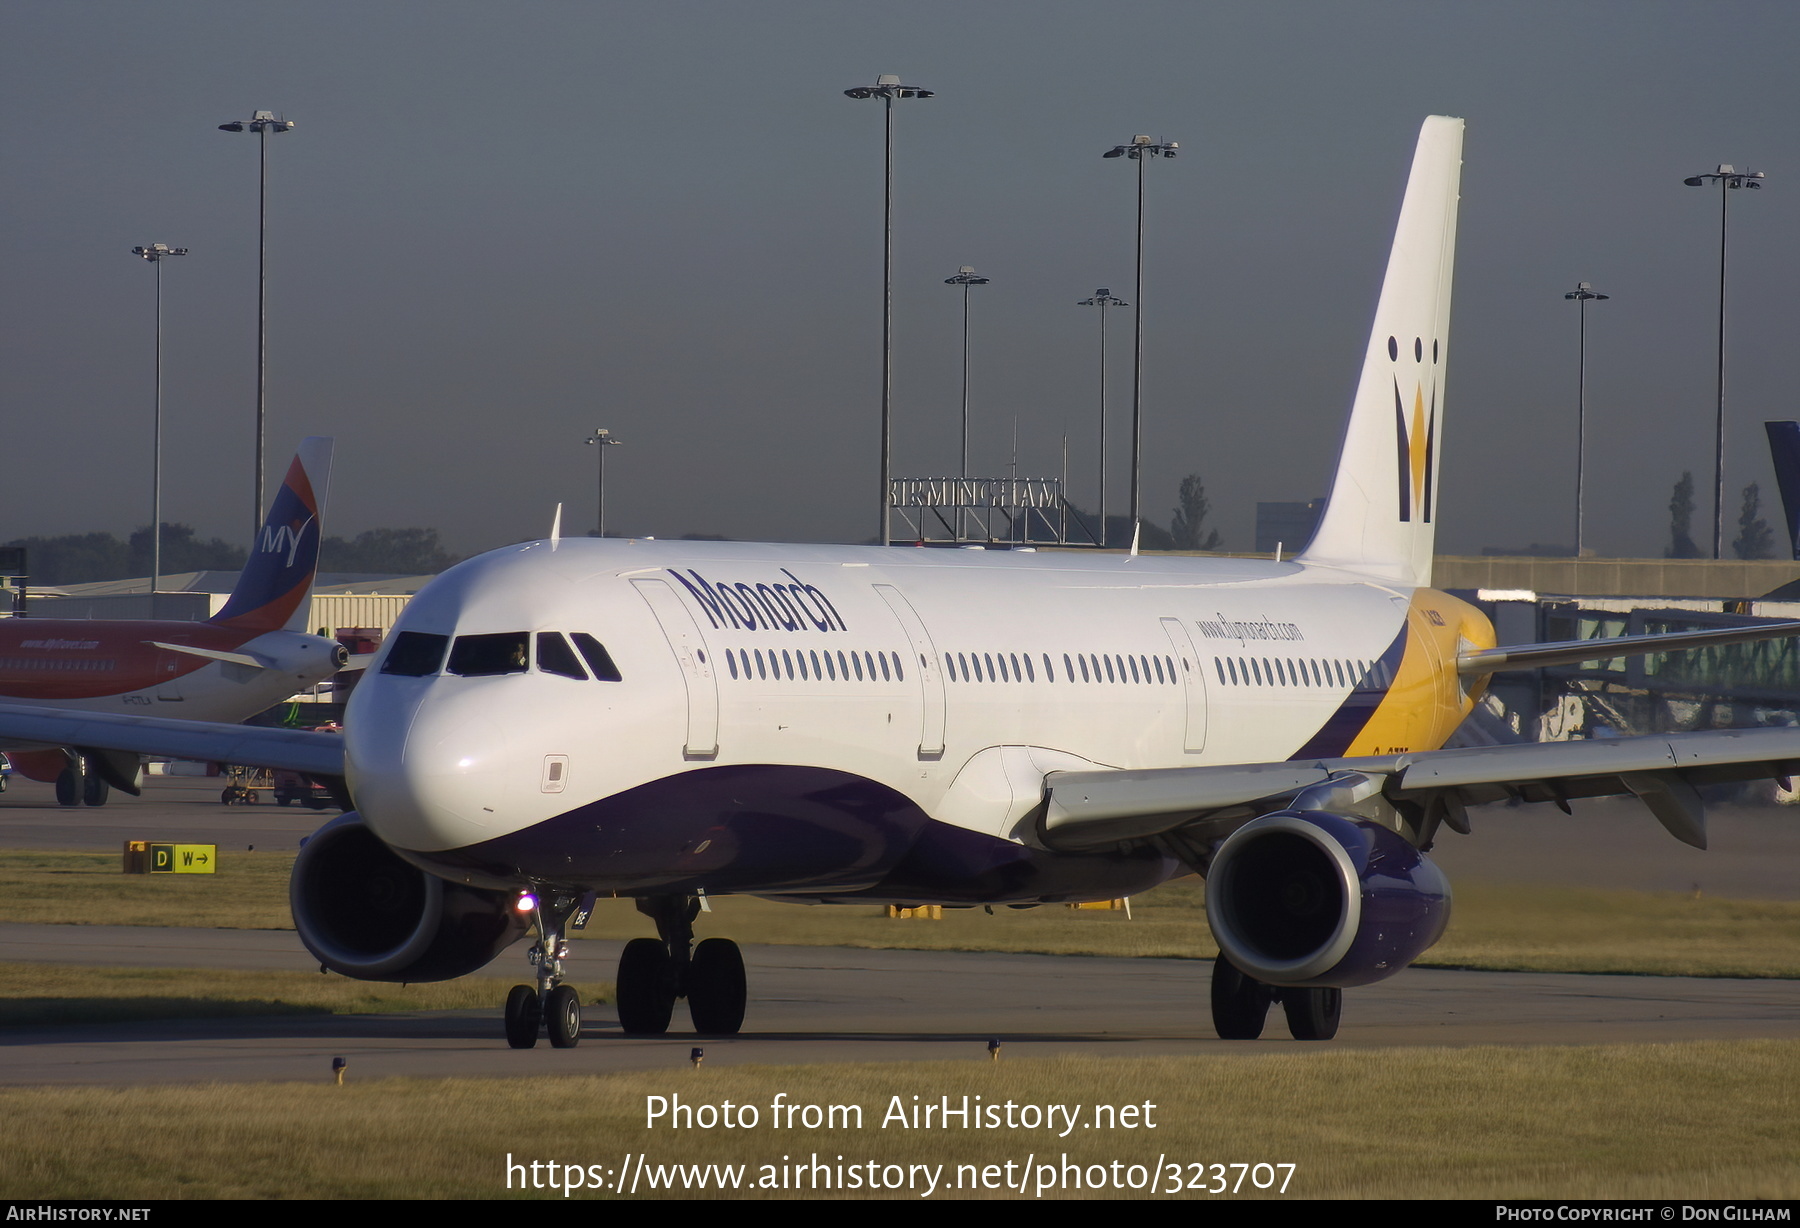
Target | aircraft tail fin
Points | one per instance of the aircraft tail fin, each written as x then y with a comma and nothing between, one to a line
274,592
1382,513
1784,450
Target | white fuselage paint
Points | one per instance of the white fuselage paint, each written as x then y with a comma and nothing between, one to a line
443,762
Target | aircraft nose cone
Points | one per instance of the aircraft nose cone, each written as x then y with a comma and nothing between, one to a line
428,776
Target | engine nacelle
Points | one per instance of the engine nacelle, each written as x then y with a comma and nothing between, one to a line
1306,898
368,914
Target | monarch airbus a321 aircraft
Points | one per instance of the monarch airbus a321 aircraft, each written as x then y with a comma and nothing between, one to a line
665,721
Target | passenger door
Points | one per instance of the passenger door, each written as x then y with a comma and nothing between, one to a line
683,634
1193,683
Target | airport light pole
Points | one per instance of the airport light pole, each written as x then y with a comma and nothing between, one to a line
965,277
1582,294
1140,150
602,438
888,88
156,253
1103,298
1729,180
262,123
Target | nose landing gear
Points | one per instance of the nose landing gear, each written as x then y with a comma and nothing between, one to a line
550,1002
653,972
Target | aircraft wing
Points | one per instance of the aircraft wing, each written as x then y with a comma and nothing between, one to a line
295,750
1086,810
1571,652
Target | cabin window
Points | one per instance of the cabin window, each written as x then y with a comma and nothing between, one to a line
482,656
415,654
554,656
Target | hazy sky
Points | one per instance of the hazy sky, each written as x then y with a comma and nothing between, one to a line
496,227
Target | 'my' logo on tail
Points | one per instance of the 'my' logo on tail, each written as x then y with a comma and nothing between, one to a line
283,539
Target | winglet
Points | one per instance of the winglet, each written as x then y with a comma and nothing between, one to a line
272,592
1381,518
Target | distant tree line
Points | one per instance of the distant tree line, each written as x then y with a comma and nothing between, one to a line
82,558
399,552
1754,540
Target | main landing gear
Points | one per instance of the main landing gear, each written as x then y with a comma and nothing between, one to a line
550,1003
1240,1005
653,972
79,784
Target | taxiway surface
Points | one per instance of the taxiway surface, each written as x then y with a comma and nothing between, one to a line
812,1004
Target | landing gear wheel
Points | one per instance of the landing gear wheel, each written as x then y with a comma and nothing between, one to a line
563,1013
228,797
716,989
1312,1014
95,791
645,987
68,792
522,1017
1240,1004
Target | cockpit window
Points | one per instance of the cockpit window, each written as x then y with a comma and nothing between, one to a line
597,657
415,654
479,656
556,657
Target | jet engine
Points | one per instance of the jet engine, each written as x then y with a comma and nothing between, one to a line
1307,898
368,914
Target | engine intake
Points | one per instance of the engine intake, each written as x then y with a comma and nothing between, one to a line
1307,898
365,913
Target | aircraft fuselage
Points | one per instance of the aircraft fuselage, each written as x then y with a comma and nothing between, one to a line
858,723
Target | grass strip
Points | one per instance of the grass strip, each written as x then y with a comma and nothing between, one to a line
1495,927
249,891
1699,1120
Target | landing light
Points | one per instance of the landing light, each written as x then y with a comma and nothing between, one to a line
526,902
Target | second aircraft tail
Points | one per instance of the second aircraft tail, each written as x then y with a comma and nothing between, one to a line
273,590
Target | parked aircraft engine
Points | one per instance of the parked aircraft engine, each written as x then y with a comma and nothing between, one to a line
1306,898
368,914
